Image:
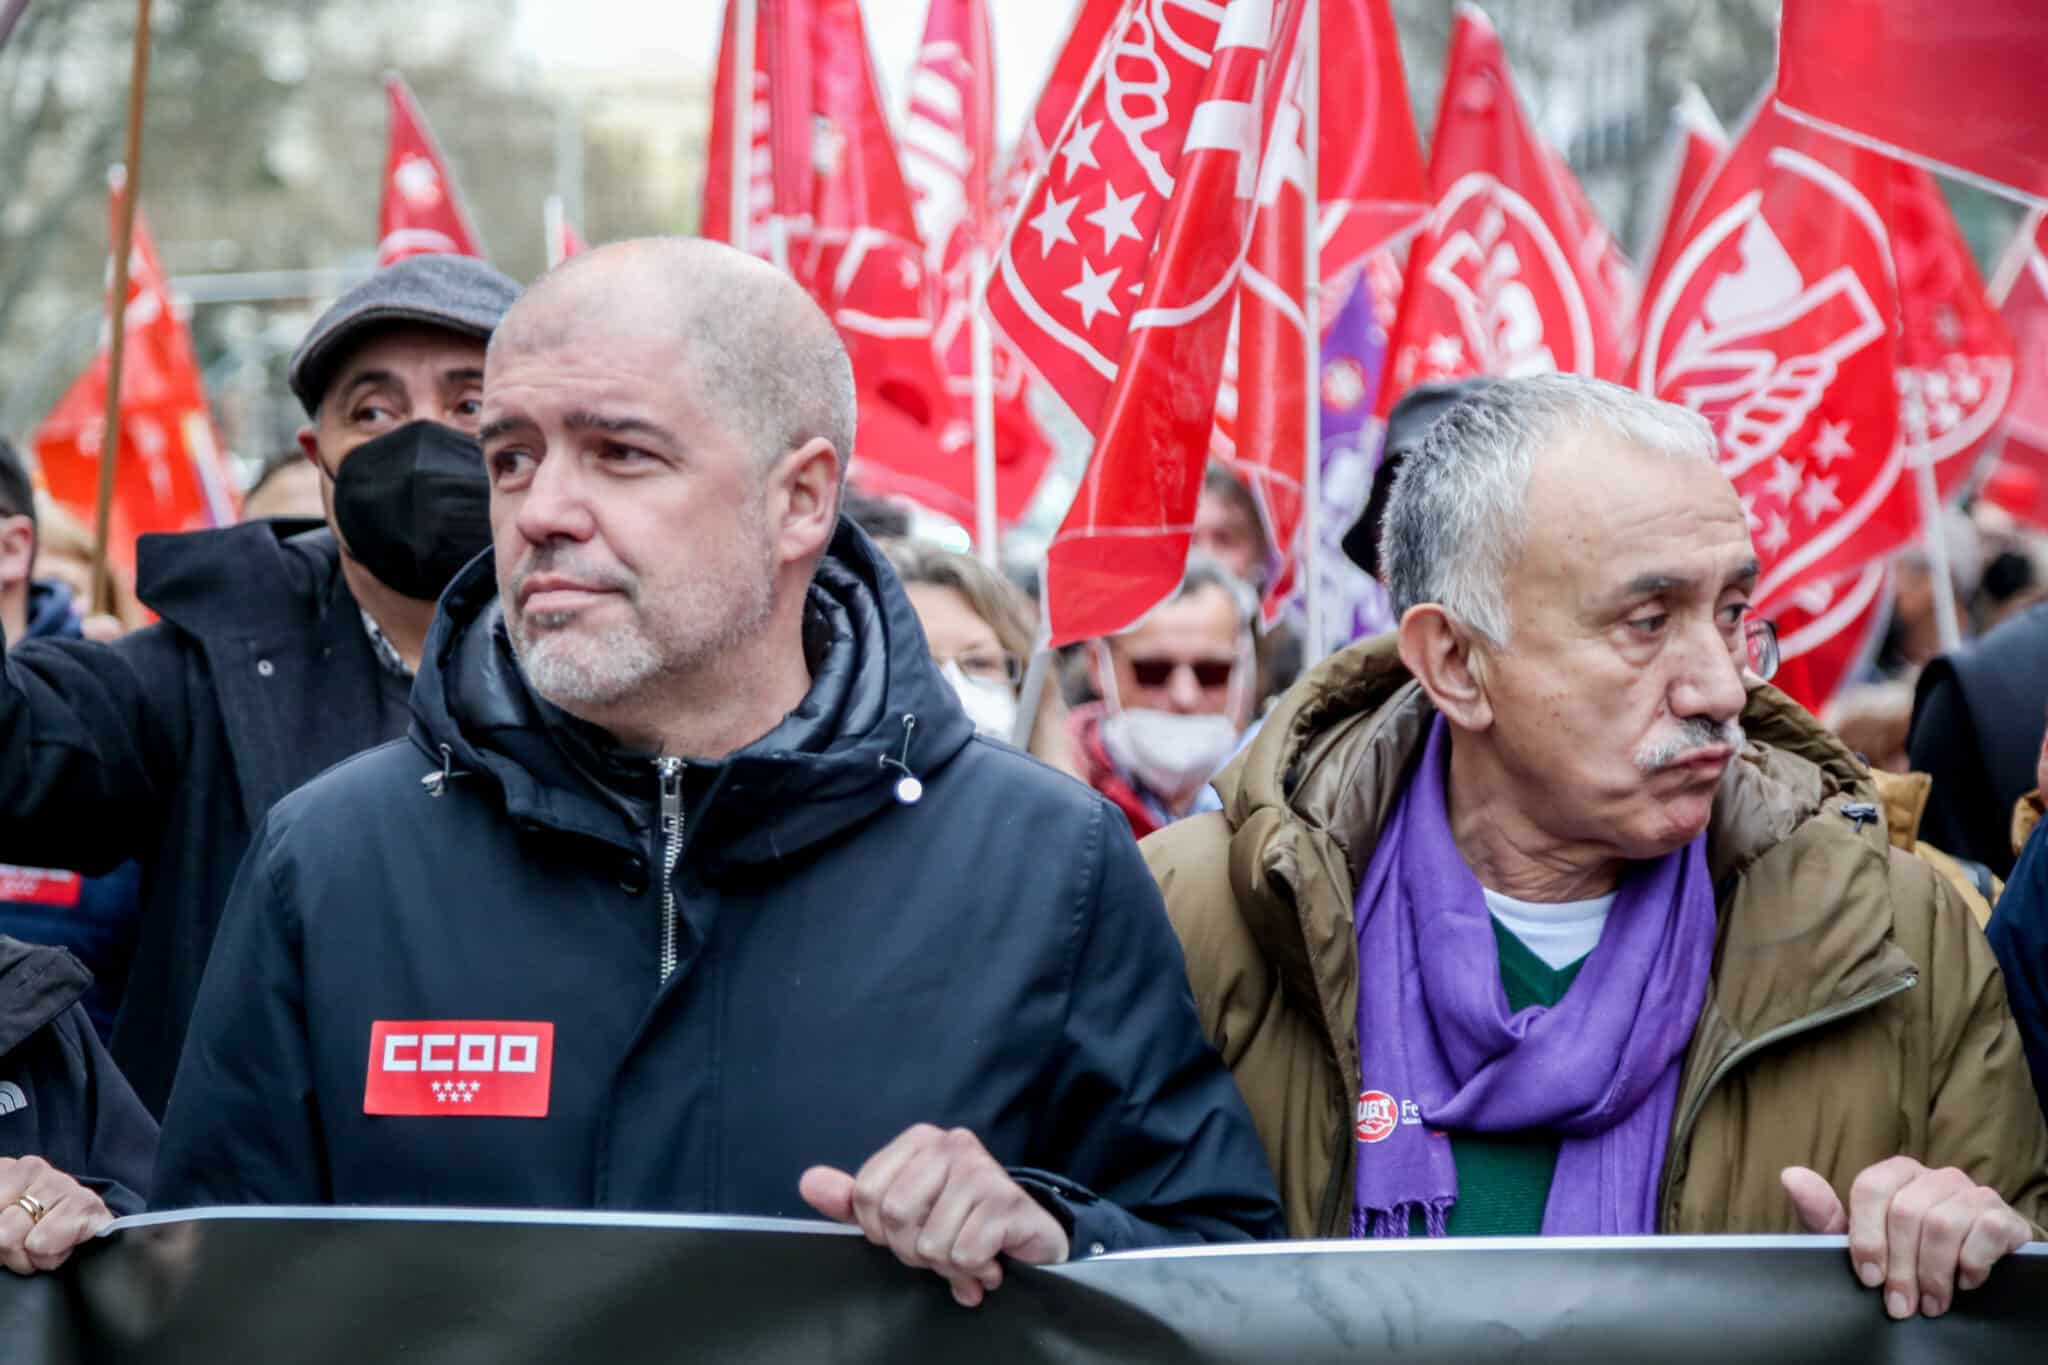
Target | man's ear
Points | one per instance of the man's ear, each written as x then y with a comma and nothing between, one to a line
309,446
807,486
17,550
1445,658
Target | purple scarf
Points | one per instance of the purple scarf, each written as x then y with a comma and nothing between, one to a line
1441,1054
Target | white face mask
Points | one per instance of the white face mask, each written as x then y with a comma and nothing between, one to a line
1172,754
991,706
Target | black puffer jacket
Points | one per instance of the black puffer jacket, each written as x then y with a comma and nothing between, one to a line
992,955
61,1097
170,746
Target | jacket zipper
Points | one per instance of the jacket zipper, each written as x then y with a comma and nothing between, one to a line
671,770
1682,1134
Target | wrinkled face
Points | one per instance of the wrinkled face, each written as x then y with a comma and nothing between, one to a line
1227,534
1615,702
631,527
1182,659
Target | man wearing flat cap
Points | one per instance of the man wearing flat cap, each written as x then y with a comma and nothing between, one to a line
283,647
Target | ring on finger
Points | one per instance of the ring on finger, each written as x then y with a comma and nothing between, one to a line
33,1207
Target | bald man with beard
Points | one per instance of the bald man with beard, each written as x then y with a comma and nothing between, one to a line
693,889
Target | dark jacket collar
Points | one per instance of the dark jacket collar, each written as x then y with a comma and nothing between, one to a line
252,580
820,771
36,985
49,613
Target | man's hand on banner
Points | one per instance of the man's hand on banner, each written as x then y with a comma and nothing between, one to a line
44,1213
940,1202
1920,1233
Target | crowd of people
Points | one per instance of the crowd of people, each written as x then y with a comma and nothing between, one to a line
592,804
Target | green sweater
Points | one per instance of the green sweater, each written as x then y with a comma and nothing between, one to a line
1504,1178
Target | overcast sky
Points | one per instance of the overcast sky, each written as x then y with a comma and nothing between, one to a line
639,38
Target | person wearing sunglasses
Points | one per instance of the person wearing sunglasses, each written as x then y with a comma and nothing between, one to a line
1546,915
1176,692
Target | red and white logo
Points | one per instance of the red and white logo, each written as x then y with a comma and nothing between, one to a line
1378,1115
39,886
481,1068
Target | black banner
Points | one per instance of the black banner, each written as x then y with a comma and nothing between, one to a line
316,1286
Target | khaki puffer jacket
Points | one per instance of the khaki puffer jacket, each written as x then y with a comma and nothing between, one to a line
1855,1012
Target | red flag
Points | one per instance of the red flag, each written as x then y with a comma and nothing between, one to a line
170,475
1604,270
1955,357
1830,632
421,214
948,151
1951,84
1071,73
1268,436
1778,321
1701,142
1124,543
2019,481
715,221
1370,185
1497,283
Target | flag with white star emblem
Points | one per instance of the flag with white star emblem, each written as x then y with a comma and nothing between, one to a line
421,213
1955,357
1507,278
1124,542
2019,481
1830,632
1779,322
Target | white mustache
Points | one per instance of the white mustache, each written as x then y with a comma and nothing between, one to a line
1690,738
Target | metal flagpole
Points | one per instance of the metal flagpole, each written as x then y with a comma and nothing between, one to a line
984,412
742,122
1935,538
117,308
1316,642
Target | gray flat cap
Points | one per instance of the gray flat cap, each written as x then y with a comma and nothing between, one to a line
458,293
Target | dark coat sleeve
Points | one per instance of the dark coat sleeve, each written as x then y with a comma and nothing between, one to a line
1147,1141
1964,815
92,746
119,1135
2019,938
243,1125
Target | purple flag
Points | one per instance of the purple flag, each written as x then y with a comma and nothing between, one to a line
1353,603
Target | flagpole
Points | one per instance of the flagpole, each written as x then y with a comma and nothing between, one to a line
101,597
1934,537
984,412
741,207
1316,643
551,220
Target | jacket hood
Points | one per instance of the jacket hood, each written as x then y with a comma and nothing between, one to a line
876,701
36,985
252,579
49,613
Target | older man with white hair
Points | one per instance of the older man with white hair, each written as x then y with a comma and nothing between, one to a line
1545,915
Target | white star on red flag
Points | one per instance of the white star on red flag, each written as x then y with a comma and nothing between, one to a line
1052,226
1115,217
1091,291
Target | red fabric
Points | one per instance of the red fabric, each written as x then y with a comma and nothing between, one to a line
2019,481
1072,75
1829,632
1084,737
1370,186
1269,434
1499,282
1956,359
1955,83
1780,324
1124,542
170,474
421,214
1702,142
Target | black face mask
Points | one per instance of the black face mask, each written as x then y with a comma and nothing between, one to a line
414,506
